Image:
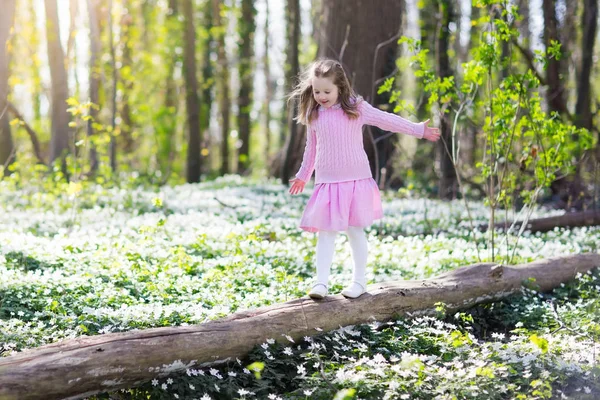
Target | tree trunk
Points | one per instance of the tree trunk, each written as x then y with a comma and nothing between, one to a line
524,24
589,22
192,101
94,76
448,182
361,36
59,142
127,81
246,26
555,95
6,143
293,157
81,367
74,17
222,84
38,90
207,83
268,84
113,59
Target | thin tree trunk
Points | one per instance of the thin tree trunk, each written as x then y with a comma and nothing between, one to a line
268,83
94,77
247,27
555,95
127,81
448,181
113,58
524,24
222,85
6,142
87,365
34,71
207,84
192,101
74,14
59,142
589,22
292,157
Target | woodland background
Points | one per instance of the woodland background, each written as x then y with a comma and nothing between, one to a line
187,90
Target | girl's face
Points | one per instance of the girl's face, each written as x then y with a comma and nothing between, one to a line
325,91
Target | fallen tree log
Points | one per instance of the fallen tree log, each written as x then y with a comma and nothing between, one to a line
84,366
568,220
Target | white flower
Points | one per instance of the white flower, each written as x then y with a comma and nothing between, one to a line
301,369
154,382
170,381
288,351
232,374
243,392
192,387
205,397
164,386
308,392
587,390
270,341
264,346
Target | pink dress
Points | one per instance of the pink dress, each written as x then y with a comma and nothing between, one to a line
345,192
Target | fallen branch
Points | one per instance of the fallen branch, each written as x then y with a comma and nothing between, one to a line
568,220
87,365
33,136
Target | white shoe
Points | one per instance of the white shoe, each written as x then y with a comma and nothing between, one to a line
318,291
354,290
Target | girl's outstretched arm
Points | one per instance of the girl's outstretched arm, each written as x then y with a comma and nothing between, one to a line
390,122
308,162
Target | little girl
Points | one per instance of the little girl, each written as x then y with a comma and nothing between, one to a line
345,197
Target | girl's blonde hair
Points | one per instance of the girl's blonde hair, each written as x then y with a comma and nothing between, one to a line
307,105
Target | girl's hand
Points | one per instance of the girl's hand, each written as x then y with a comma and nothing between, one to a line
431,134
297,186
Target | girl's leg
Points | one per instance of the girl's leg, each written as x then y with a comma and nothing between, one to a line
325,250
359,246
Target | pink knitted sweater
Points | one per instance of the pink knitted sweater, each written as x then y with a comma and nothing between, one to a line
334,143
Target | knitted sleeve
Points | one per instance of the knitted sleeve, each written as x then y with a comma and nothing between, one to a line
388,121
310,153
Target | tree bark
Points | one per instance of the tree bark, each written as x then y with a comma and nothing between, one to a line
448,182
360,35
222,84
6,142
94,76
555,95
192,101
207,84
268,83
81,367
293,156
59,142
127,81
113,102
589,23
247,27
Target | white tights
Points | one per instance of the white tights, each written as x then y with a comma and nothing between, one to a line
326,247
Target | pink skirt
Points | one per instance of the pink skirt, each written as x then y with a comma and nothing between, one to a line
335,206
